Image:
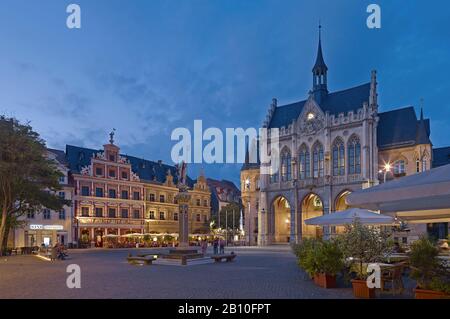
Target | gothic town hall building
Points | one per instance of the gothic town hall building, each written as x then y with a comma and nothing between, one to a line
331,144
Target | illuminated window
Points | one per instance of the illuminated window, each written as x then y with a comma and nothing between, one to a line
399,167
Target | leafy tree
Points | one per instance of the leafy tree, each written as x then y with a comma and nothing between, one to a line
364,245
226,216
28,179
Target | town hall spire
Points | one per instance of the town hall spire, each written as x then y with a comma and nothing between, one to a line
320,72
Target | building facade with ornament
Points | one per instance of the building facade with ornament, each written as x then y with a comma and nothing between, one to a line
116,195
331,144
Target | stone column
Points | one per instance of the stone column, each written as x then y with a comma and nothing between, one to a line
183,199
326,211
293,237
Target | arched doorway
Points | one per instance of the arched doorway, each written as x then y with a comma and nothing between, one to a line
281,220
340,205
312,206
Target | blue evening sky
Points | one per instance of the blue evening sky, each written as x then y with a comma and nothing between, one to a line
147,67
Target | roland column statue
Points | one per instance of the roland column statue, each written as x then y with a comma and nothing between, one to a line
183,198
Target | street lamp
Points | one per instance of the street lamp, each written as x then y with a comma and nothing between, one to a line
387,168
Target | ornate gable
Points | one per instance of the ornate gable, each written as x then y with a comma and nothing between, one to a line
312,119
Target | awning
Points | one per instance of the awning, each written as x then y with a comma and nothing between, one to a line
348,216
420,197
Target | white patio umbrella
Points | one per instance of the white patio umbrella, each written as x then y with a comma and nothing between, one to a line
348,216
422,197
110,236
133,235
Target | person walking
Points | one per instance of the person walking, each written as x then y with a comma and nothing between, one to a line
54,252
204,245
222,246
215,245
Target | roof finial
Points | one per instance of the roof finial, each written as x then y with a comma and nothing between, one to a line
421,108
320,30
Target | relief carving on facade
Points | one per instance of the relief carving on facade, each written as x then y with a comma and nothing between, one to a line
312,119
86,170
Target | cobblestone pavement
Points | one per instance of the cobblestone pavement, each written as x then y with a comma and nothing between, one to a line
269,272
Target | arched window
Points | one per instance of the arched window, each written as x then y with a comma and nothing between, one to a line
304,162
338,157
399,167
286,166
354,155
424,164
273,175
317,160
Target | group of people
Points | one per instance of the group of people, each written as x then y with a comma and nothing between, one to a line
218,246
59,251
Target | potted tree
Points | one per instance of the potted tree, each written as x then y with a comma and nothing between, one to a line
322,260
363,245
433,279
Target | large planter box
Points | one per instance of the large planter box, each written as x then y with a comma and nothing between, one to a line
360,289
430,294
325,280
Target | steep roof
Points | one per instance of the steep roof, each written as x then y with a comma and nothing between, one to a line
60,155
441,156
320,66
149,171
337,102
400,127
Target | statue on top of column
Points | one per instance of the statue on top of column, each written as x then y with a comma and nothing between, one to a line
181,174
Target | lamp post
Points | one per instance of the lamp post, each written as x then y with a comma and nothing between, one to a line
386,169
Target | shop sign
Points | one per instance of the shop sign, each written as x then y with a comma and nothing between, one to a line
46,227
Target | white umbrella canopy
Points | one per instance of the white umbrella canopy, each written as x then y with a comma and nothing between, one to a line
422,196
133,235
348,216
110,236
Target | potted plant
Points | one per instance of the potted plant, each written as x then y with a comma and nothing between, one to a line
363,245
433,279
322,260
329,261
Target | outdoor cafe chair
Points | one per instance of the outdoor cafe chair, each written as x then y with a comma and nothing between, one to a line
393,277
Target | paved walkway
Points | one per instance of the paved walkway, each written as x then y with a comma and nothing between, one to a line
269,272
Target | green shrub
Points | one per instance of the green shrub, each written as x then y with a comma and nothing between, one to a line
426,268
319,256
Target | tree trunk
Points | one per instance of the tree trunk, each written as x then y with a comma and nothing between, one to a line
3,228
6,235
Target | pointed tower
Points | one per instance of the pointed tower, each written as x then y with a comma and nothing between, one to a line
320,69
422,133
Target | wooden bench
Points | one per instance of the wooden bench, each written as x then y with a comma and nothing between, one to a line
140,260
219,258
